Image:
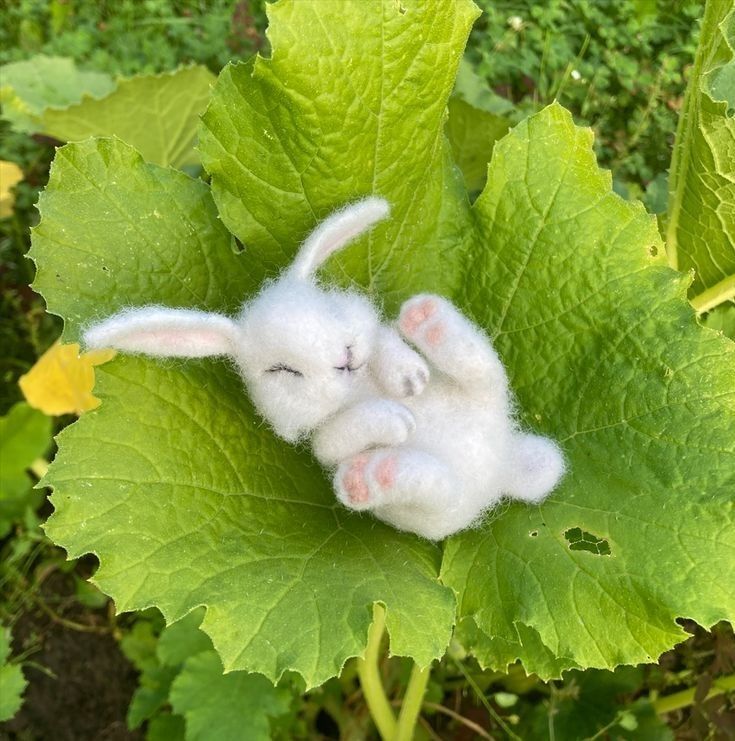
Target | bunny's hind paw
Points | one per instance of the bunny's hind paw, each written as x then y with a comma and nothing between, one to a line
364,481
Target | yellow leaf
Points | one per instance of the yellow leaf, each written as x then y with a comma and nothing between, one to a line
10,176
62,380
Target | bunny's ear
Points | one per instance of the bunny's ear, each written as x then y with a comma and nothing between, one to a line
165,333
336,231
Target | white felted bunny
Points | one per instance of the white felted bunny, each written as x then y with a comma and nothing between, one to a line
424,440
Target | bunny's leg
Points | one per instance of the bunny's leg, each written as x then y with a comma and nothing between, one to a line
370,423
395,477
536,467
453,344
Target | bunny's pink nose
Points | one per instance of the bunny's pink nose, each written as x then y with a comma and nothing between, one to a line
346,362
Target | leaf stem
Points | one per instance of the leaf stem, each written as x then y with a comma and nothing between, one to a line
714,296
412,701
685,698
369,674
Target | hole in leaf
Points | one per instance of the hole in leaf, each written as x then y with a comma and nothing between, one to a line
533,533
104,267
237,246
401,9
653,250
581,540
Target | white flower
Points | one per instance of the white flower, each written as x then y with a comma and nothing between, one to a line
516,23
576,75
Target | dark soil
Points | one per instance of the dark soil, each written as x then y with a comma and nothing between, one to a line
80,684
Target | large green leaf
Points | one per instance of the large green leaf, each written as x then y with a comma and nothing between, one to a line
139,234
701,228
189,500
369,119
157,114
606,356
28,88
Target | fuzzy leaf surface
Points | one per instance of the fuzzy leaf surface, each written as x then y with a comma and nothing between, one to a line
701,229
140,234
187,498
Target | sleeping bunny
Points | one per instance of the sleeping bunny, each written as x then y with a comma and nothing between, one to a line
415,420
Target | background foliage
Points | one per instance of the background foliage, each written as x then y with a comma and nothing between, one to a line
631,61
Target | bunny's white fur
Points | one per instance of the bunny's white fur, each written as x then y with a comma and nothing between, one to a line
415,420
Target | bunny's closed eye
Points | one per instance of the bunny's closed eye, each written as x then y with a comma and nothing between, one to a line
278,367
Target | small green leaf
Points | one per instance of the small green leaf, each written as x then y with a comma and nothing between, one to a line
151,694
701,222
12,681
596,704
722,319
183,639
25,435
139,645
28,88
166,728
227,707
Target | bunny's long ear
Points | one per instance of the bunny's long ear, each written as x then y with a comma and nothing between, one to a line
336,231
165,333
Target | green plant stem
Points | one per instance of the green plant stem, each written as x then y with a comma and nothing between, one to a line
369,673
685,698
714,296
412,702
572,65
490,709
478,730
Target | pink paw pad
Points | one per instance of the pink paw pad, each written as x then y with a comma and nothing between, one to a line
435,333
354,481
385,472
414,317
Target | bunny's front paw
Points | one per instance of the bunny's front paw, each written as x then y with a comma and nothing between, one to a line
392,422
408,376
400,370
420,319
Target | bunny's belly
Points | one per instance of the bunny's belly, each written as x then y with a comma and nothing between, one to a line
468,435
